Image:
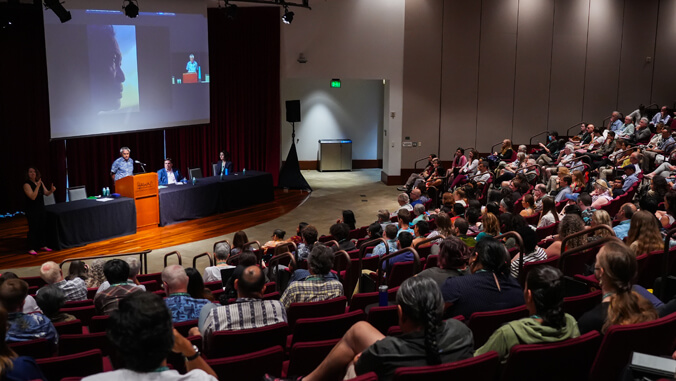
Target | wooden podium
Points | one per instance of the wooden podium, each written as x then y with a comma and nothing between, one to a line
143,189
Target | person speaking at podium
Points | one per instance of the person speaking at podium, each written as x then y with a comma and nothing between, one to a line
168,175
191,66
123,166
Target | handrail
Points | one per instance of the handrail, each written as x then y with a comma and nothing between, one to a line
231,258
342,253
651,105
366,245
143,258
584,232
416,262
272,264
167,255
667,241
573,126
527,168
252,243
331,243
530,141
211,260
603,123
222,241
428,240
519,240
494,145
288,245
415,165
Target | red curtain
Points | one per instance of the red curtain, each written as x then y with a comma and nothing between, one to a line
245,100
245,109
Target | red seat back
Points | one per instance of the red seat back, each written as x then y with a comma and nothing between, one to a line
431,261
330,307
484,367
76,365
325,328
529,266
382,318
184,327
85,314
654,338
483,324
79,303
360,301
650,267
68,327
576,306
234,342
531,362
400,272
71,344
533,220
546,231
578,263
157,277
37,348
99,323
251,366
305,357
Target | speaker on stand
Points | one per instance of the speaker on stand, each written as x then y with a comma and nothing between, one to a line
290,176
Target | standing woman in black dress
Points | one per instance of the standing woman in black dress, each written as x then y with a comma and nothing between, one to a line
35,210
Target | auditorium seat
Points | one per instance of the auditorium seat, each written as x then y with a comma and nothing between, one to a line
76,365
98,323
249,367
71,344
654,338
323,328
484,367
305,357
483,324
330,307
79,303
529,266
232,343
38,348
576,306
68,327
382,318
184,326
566,360
83,313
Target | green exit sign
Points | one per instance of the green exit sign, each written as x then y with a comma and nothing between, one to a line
335,83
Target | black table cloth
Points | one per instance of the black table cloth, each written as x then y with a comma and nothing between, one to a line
77,223
211,195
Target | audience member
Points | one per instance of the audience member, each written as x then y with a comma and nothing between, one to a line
182,306
615,269
404,241
96,277
549,215
624,216
584,202
310,235
196,287
403,220
50,301
13,366
277,238
489,287
349,219
415,178
528,204
601,195
547,322
297,239
452,261
248,311
644,233
391,237
420,231
570,224
141,331
117,273
134,268
24,327
534,252
460,228
403,201
564,189
221,254
318,285
668,216
601,217
74,289
239,242
341,232
29,305
78,269
491,227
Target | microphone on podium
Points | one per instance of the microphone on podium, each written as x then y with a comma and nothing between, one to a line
141,164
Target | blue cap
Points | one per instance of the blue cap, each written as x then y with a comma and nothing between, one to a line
572,196
629,166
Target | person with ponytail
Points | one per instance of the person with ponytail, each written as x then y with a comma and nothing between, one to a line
489,287
615,269
426,339
547,322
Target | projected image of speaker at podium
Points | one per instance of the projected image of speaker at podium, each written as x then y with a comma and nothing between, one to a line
113,81
194,71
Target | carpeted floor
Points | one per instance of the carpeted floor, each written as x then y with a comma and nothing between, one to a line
360,191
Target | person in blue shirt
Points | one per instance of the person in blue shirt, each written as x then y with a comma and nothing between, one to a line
615,124
168,175
391,236
631,179
404,241
191,66
404,219
565,188
182,306
123,166
624,216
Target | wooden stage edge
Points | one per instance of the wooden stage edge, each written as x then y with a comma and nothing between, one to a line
13,233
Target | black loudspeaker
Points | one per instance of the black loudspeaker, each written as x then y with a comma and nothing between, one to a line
293,111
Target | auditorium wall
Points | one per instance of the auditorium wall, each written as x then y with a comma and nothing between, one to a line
353,111
476,72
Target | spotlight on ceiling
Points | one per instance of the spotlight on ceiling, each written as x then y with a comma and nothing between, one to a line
131,9
288,16
58,9
230,10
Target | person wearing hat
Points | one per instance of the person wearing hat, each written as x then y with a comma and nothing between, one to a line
631,179
601,194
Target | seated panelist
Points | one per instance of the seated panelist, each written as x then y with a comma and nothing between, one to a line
223,163
168,175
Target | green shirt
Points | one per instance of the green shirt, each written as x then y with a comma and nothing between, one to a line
527,331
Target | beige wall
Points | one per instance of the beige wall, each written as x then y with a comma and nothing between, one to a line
476,72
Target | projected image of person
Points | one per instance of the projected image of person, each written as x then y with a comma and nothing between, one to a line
191,66
114,85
